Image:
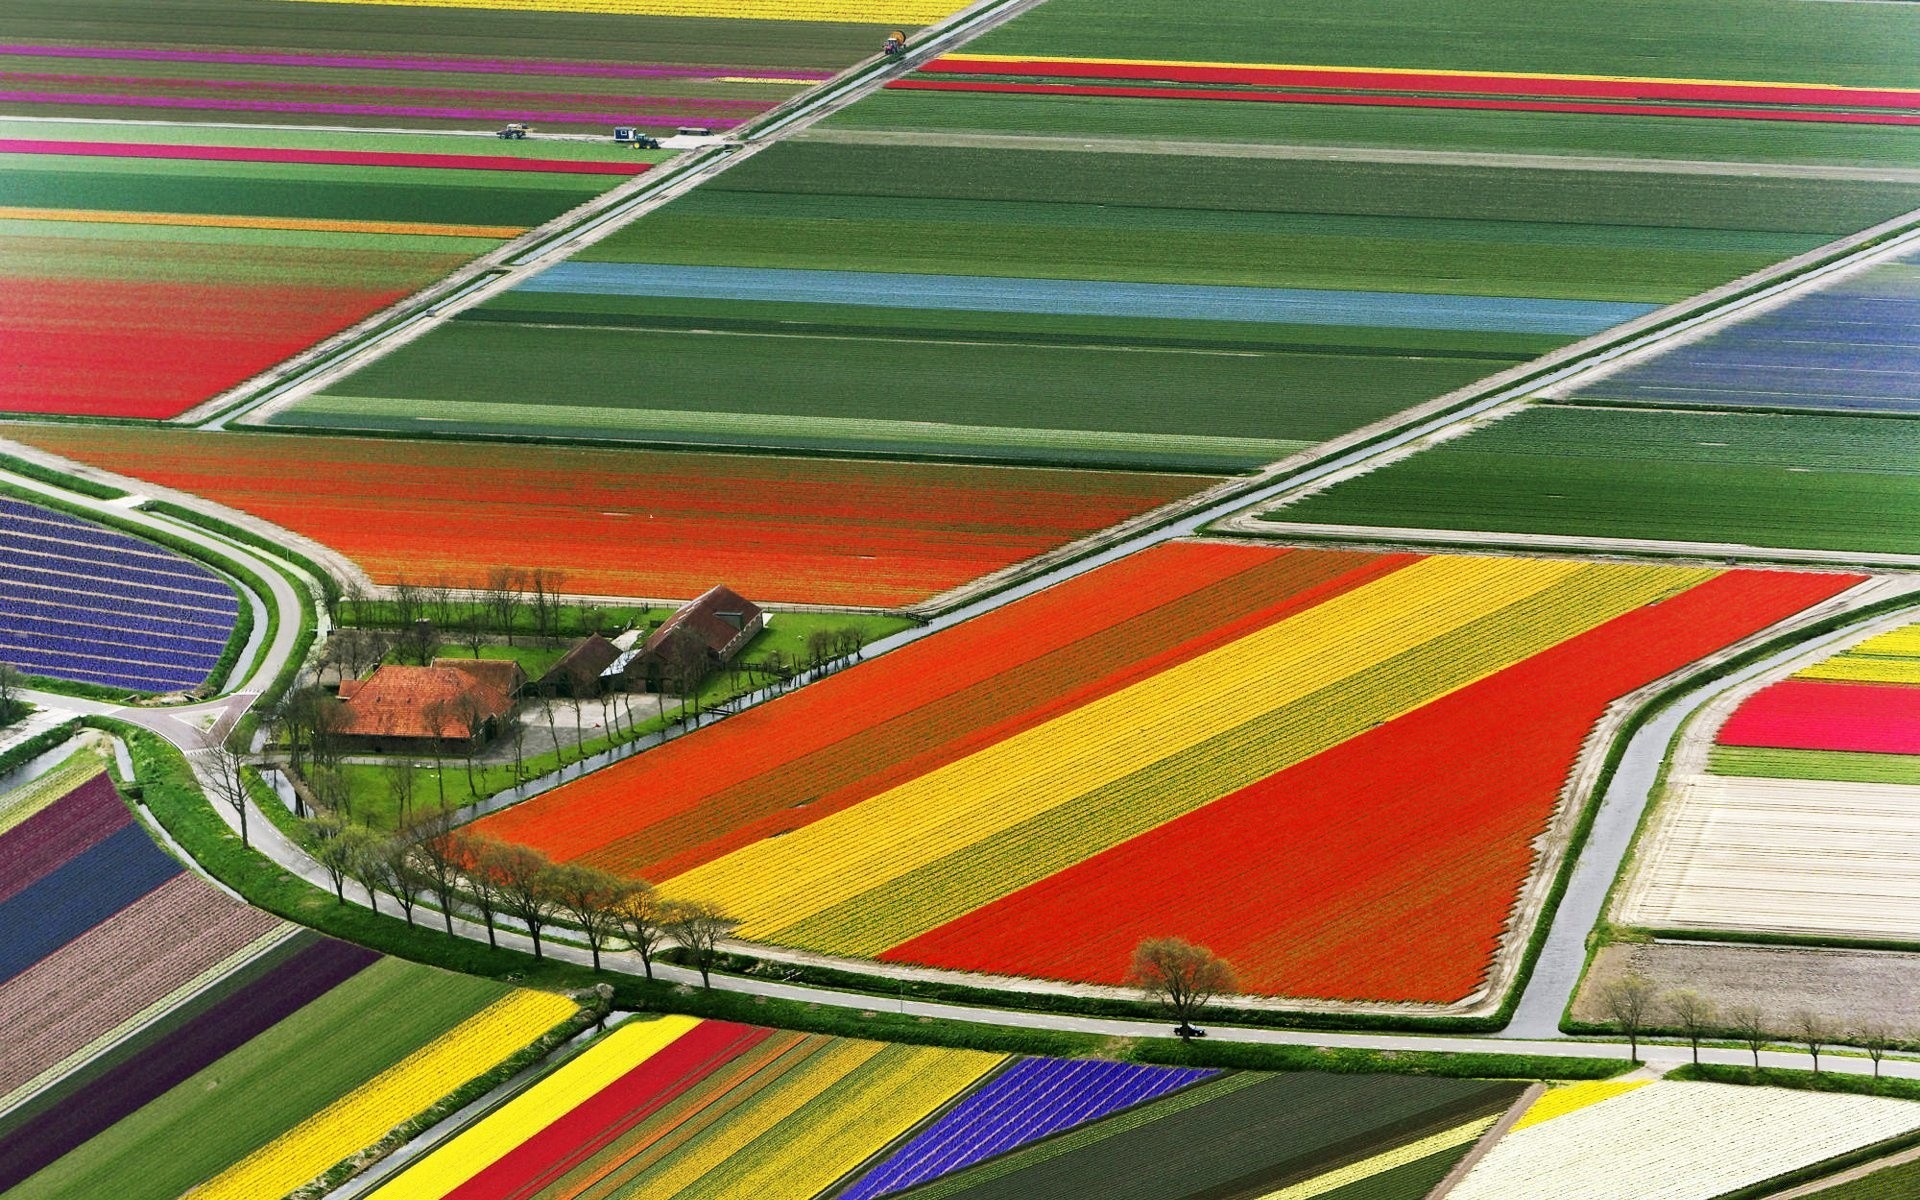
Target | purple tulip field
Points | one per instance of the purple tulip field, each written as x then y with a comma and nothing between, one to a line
1032,1099
81,603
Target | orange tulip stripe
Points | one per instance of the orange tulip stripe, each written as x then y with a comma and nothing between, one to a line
1316,732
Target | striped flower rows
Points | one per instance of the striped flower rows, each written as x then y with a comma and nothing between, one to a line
1271,736
81,603
1378,87
1681,1141
673,1107
140,1003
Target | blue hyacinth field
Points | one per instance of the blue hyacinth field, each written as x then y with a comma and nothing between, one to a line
84,604
1853,347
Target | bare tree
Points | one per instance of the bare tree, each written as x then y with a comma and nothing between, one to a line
406,604
473,630
698,928
1876,1038
440,596
226,773
368,863
419,642
1694,1014
476,858
1813,1031
469,714
403,783
592,897
517,734
438,715
1629,1002
403,879
643,917
438,857
353,603
9,692
526,888
1182,977
333,849
1751,1028
504,600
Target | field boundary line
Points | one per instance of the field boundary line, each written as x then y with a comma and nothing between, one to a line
1487,1141
1411,429
306,373
1254,524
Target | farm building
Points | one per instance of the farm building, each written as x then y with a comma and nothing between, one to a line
716,627
456,702
582,671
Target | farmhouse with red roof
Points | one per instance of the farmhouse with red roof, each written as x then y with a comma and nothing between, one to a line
456,701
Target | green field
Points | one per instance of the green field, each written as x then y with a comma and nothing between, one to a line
1862,44
1894,1183
268,137
1150,122
1828,483
275,1081
1844,766
1261,1133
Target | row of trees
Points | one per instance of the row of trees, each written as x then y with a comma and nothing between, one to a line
464,873
511,599
1635,1005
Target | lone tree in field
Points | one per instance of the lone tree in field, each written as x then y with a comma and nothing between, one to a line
1629,1002
1751,1028
1813,1031
1182,977
643,921
1694,1014
699,928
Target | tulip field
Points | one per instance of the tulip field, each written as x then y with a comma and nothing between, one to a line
82,603
163,1038
564,66
109,240
679,1107
988,799
635,523
1677,1141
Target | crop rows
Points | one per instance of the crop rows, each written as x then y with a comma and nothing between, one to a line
1682,1141
165,1039
981,799
634,523
78,602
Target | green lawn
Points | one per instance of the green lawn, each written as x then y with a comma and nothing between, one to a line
254,1094
536,659
1829,483
1894,1183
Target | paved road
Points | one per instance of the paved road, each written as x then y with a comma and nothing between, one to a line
1368,154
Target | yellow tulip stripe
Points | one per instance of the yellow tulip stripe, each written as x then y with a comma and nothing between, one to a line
888,1093
1887,658
1061,836
811,1110
366,1114
28,799
1560,1101
484,1142
102,216
1165,745
898,12
1379,1164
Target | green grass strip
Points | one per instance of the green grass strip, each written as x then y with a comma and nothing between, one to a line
773,429
1845,766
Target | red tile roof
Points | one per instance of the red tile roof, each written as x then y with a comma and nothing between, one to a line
717,618
396,701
